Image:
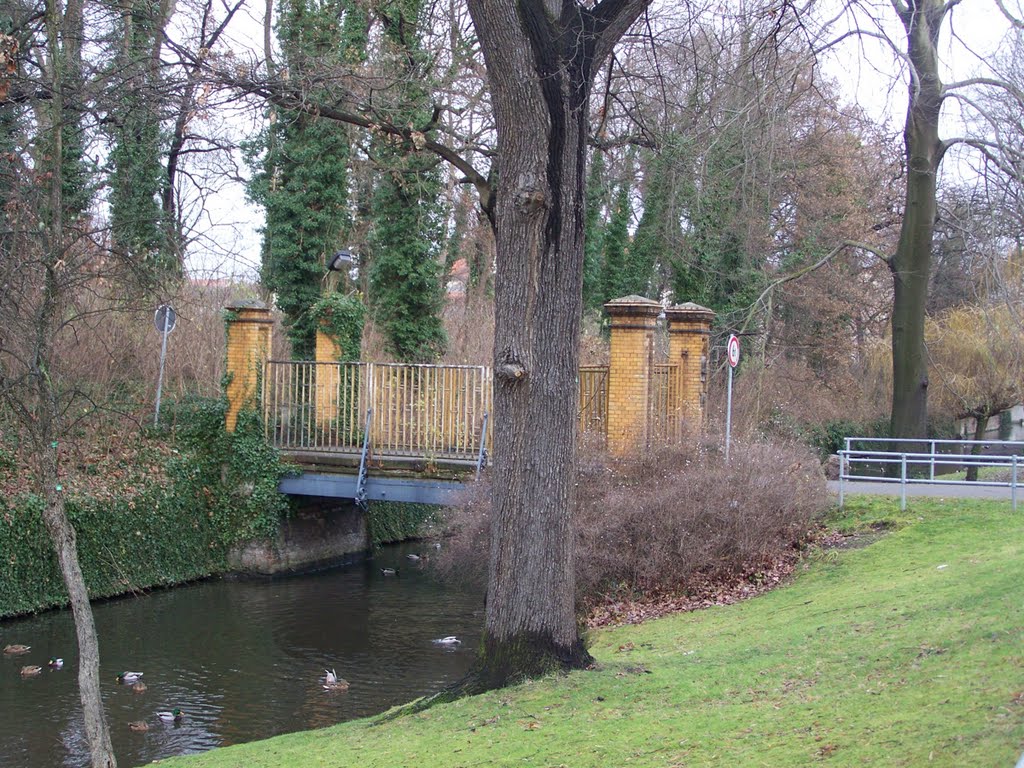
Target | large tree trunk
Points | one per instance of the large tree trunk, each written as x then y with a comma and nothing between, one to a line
912,261
540,58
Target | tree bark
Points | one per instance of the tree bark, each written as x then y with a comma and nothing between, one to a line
981,422
911,263
540,59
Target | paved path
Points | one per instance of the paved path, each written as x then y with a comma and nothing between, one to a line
922,489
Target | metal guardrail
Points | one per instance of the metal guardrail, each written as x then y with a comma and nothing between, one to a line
875,463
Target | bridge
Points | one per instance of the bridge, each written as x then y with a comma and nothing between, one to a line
386,431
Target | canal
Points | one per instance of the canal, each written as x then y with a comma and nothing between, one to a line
243,660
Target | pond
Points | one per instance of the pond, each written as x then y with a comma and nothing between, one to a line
243,660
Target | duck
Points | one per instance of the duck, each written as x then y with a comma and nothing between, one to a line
174,716
414,557
451,640
389,571
138,725
128,678
139,687
55,662
31,670
16,648
334,683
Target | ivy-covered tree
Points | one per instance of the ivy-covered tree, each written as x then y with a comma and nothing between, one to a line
302,177
616,242
406,281
138,176
593,233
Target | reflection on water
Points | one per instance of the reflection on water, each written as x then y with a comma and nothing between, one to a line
243,660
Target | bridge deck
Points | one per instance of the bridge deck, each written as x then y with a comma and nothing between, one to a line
334,474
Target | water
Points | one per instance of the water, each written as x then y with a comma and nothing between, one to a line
243,660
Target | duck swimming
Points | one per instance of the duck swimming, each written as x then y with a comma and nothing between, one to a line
127,678
389,571
139,725
31,670
174,716
55,663
16,648
451,640
139,687
334,683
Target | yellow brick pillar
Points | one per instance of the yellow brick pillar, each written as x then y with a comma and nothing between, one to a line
689,331
328,379
630,363
249,327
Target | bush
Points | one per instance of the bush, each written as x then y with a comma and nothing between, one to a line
657,522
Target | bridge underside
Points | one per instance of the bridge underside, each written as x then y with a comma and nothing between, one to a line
410,480
337,486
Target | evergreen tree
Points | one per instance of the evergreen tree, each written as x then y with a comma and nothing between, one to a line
406,285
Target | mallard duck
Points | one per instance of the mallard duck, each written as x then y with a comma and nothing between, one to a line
127,678
31,670
450,640
138,687
138,725
55,663
413,556
334,683
389,571
174,716
15,648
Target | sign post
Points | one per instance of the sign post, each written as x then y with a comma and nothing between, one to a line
164,320
732,351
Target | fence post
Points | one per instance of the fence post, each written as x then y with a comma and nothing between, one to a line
931,461
1013,484
689,329
630,363
842,471
249,326
903,482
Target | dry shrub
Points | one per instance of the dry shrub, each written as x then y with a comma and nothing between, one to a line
657,522
654,522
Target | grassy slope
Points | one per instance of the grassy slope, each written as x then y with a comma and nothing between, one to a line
873,656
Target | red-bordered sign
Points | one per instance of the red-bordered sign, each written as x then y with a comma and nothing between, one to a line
732,349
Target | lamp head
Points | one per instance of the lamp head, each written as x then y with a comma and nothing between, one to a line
341,261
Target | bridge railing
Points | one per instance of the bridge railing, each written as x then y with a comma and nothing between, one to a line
417,410
421,410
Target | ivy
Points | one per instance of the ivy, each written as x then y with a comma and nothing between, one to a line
342,318
220,489
390,521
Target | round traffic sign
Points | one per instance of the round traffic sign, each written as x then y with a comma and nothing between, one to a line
732,349
165,318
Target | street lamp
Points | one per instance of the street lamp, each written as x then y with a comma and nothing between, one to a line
342,261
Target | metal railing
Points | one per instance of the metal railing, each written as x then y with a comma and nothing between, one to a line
429,411
663,418
928,465
417,410
593,405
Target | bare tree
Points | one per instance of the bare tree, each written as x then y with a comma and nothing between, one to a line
922,23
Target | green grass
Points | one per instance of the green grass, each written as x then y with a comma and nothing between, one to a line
906,651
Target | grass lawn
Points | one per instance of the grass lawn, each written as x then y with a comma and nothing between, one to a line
905,648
